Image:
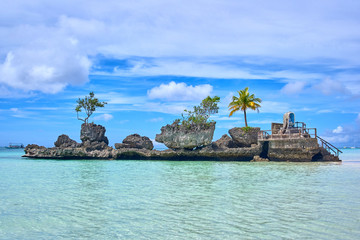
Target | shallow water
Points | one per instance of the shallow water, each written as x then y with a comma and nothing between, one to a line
50,199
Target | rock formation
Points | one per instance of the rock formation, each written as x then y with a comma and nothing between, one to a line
259,159
224,142
135,141
64,141
33,146
93,133
93,137
244,137
294,150
193,143
176,136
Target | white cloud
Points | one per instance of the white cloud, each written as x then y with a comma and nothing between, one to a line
293,87
338,139
170,108
19,113
120,98
48,69
184,67
225,118
157,145
265,121
329,86
339,129
159,119
104,117
123,121
227,125
273,107
325,111
50,49
180,92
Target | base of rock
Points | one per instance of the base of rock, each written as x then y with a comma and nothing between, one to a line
259,159
291,151
205,154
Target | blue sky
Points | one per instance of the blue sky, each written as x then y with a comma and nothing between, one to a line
152,59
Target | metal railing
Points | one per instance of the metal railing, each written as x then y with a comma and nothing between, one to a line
329,147
290,133
300,132
303,125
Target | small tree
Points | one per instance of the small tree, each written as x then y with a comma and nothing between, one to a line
201,113
89,104
243,102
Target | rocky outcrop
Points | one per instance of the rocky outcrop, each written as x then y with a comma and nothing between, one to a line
93,133
90,146
176,136
292,150
296,150
259,159
224,142
244,137
135,141
68,153
30,147
64,141
207,153
189,144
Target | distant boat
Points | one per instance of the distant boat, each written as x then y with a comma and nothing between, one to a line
15,146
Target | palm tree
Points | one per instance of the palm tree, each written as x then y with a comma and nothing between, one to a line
243,102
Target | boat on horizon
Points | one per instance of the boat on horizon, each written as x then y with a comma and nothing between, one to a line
15,146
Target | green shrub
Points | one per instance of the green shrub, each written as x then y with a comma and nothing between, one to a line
246,129
200,114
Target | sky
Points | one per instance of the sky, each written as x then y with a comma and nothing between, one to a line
150,60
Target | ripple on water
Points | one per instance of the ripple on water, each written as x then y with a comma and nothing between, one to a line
177,200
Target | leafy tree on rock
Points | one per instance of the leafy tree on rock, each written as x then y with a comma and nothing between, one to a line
201,113
89,104
243,102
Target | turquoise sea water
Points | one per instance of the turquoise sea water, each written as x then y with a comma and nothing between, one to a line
50,199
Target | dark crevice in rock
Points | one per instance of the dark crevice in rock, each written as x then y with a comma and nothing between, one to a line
317,157
264,149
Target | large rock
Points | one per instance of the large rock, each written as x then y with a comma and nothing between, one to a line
296,150
176,136
91,146
224,142
93,133
135,141
34,151
64,141
33,146
244,137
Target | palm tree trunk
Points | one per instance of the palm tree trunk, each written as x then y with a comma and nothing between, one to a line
245,118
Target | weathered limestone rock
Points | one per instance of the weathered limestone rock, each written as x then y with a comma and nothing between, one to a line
293,150
93,133
324,155
244,138
69,153
33,146
90,146
182,137
224,142
64,141
135,141
297,150
206,153
259,159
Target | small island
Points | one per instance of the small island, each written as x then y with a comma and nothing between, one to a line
191,138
